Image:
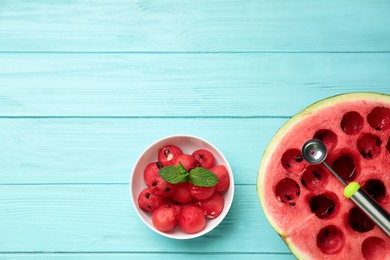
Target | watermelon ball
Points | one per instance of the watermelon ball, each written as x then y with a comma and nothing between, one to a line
204,158
163,188
201,193
192,219
223,177
166,217
186,160
213,206
151,173
182,193
167,154
149,201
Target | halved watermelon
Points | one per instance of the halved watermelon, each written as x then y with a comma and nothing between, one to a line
304,203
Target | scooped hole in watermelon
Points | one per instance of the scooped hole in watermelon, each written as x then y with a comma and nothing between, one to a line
359,221
287,191
314,177
328,137
374,248
379,118
352,123
292,160
330,240
369,146
324,205
376,189
346,168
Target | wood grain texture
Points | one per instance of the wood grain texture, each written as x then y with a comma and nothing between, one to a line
166,85
201,26
95,150
100,218
147,256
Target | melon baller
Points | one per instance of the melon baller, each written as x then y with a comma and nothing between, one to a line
314,151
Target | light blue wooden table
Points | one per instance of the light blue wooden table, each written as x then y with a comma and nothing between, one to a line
86,86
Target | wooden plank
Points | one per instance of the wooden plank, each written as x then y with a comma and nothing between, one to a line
201,26
163,85
96,150
148,256
100,218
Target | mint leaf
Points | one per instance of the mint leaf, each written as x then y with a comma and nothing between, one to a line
202,177
182,169
173,174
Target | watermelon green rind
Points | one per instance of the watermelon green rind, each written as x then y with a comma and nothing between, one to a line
271,149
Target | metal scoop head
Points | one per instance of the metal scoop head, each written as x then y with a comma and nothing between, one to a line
314,151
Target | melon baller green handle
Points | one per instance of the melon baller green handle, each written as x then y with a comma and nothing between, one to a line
314,151
368,205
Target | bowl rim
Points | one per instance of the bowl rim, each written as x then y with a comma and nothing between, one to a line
228,195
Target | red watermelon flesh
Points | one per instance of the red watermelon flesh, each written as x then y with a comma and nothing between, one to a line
305,203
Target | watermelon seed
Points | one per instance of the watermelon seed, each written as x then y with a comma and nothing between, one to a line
326,232
147,195
316,175
292,204
166,151
298,159
159,164
169,157
366,155
369,146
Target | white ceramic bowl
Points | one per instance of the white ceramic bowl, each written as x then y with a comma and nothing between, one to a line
188,144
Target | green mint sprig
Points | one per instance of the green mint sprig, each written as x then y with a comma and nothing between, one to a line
198,176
